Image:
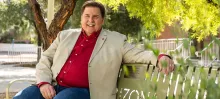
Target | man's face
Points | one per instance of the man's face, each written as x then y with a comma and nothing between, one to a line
91,20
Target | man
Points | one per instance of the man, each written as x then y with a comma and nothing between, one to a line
84,63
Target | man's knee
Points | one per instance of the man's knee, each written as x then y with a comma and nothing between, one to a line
32,92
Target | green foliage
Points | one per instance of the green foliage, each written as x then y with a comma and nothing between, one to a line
192,51
186,43
15,20
44,4
211,49
148,45
200,16
121,22
212,89
74,20
126,71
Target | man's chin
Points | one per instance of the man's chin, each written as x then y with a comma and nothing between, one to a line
90,31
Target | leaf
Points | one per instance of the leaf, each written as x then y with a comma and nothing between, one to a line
126,71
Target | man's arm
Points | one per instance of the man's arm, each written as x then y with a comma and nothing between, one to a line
131,54
43,68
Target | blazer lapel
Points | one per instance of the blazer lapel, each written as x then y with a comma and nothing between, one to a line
100,41
73,38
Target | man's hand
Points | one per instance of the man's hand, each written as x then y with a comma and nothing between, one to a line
166,65
47,91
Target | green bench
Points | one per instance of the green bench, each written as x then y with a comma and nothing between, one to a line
142,81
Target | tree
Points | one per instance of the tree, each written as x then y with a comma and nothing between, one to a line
121,22
200,16
15,21
74,21
60,18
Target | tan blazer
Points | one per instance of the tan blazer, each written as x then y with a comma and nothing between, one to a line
110,51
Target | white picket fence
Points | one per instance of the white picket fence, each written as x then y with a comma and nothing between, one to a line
18,53
210,54
172,45
168,46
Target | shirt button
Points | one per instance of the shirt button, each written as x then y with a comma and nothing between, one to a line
81,45
61,81
70,61
76,54
64,72
87,40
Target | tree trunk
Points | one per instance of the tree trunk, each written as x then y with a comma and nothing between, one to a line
39,42
57,24
61,17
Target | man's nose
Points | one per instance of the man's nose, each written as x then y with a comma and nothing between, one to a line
91,19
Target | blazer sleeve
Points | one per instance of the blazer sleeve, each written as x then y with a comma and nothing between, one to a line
43,68
132,54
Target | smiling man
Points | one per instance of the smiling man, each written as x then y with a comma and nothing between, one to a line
92,19
84,63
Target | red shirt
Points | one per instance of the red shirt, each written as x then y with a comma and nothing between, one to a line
74,73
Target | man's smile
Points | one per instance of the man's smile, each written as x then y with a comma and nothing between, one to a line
91,24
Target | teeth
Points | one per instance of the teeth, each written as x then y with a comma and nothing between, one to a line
92,24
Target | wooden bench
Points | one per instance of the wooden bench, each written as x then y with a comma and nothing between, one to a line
142,81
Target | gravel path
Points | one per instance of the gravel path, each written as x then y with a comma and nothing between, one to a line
2,95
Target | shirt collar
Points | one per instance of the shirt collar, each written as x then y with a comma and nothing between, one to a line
93,35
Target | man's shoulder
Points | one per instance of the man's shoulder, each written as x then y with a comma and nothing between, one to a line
113,33
70,31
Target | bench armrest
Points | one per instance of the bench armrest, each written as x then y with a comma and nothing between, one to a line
12,82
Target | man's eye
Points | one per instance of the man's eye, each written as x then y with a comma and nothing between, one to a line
95,17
